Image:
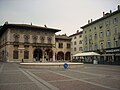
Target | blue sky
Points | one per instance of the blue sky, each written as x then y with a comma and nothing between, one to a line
67,15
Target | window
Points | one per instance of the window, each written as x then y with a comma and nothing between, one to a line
15,54
16,37
49,39
95,36
80,48
95,28
115,20
90,47
86,48
85,38
75,43
60,45
42,39
68,45
116,43
90,37
26,38
26,54
108,44
80,36
101,45
74,49
80,42
101,34
115,31
107,22
108,33
75,37
35,39
95,47
100,25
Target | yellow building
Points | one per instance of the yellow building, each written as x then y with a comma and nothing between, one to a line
103,36
27,42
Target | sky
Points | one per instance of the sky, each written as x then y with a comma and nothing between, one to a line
66,15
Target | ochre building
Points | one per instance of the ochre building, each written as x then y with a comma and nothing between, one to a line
27,42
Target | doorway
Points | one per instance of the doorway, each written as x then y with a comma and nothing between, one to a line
37,54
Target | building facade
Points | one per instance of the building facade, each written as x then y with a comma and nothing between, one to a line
63,47
27,42
76,42
103,36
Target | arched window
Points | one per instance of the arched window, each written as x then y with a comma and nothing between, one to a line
26,38
49,40
16,37
42,39
35,39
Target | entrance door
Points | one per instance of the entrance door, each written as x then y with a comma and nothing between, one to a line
37,54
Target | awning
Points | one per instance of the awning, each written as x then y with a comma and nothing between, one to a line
87,54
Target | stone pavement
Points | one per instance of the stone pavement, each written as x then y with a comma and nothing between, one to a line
84,77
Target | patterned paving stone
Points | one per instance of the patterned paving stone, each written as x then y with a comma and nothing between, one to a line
19,87
76,85
49,76
13,78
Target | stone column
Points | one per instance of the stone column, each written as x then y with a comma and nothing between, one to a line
43,55
64,56
54,56
31,52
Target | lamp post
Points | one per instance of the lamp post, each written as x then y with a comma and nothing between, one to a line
21,51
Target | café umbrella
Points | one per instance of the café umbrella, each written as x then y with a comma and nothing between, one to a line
87,54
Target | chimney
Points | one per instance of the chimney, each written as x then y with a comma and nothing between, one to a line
88,21
45,26
118,7
91,20
77,31
31,23
103,14
110,11
6,22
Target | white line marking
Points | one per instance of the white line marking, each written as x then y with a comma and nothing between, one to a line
85,81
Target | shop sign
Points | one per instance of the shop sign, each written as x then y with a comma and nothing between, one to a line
113,50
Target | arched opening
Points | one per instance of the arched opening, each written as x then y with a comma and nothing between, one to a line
60,55
37,54
67,56
48,54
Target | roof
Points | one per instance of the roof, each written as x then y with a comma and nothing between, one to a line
63,37
102,18
27,27
78,33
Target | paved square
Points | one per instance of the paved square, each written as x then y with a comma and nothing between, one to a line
84,77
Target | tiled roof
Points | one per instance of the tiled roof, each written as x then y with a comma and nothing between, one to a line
104,17
78,33
26,26
62,37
